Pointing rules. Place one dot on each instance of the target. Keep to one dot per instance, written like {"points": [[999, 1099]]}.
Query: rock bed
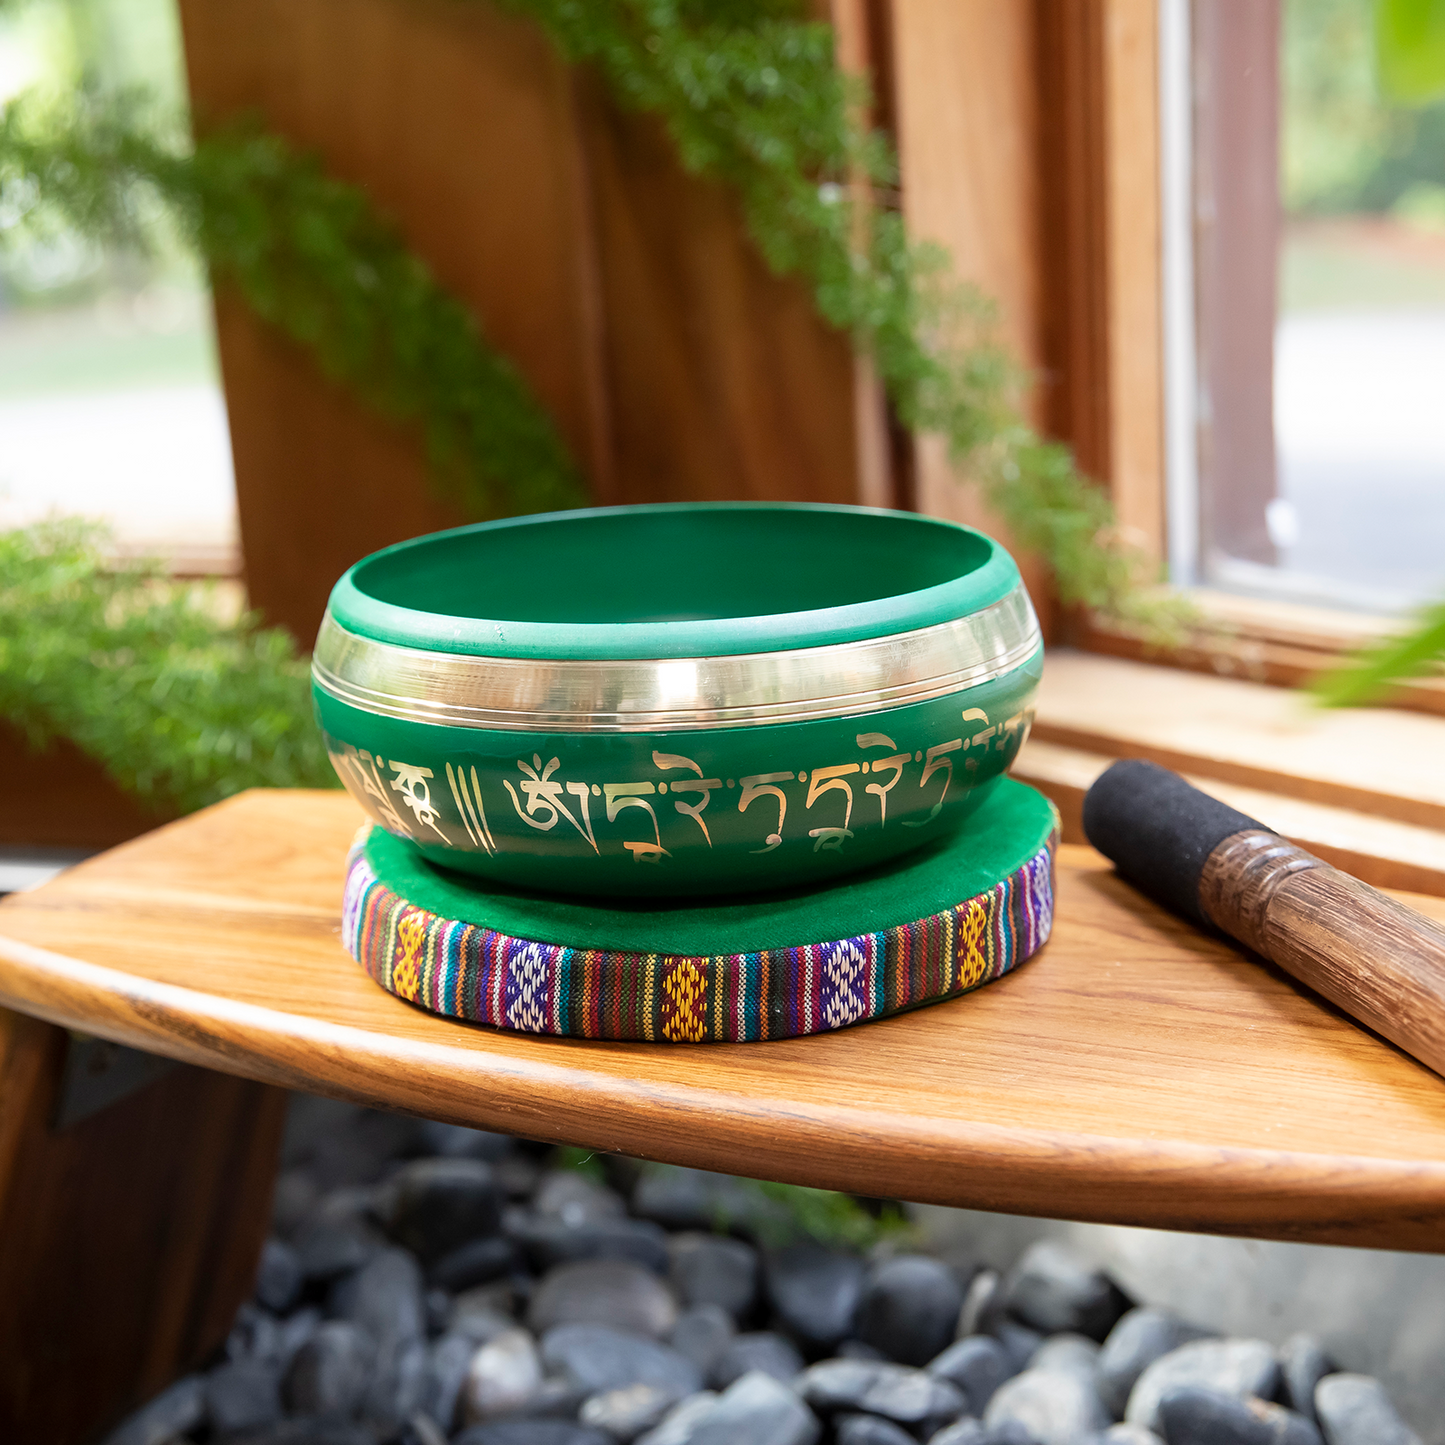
{"points": [[426, 1284]]}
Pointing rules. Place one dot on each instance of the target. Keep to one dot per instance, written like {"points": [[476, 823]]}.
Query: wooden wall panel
{"points": [[674, 364], [62, 798], [320, 480], [628, 292], [1074, 261], [968, 145], [863, 46], [458, 121], [1100, 263], [723, 380], [1028, 138], [967, 115]]}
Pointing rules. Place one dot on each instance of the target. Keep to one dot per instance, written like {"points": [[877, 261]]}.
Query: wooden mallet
{"points": [[1379, 961]]}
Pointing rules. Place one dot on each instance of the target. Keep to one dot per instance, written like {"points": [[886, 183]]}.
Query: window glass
{"points": [[1320, 214], [110, 405]]}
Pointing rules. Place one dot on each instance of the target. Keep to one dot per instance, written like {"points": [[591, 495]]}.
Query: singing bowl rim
{"points": [[665, 695], [986, 581], [585, 688]]}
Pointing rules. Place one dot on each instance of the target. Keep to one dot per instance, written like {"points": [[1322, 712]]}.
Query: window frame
{"points": [[1091, 251]]}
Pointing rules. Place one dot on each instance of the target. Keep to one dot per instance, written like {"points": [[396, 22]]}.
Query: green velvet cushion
{"points": [[1010, 828], [941, 921]]}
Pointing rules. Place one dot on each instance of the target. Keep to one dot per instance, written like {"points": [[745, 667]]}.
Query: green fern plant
{"points": [[310, 255], [181, 704], [831, 1218], [751, 96], [1369, 674]]}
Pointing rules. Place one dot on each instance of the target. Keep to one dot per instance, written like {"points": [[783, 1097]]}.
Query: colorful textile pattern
{"points": [[468, 971]]}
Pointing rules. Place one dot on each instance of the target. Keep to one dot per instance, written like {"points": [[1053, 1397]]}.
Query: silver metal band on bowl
{"points": [[670, 694]]}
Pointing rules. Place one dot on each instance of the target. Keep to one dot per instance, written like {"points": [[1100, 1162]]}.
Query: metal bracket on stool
{"points": [[98, 1073]]}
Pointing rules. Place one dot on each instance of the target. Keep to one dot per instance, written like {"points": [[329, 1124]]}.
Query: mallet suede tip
{"points": [[1158, 830]]}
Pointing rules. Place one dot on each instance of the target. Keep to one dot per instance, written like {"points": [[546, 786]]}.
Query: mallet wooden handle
{"points": [[1379, 961], [1382, 963]]}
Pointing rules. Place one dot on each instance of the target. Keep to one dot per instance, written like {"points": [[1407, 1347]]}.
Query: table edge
{"points": [[1343, 1199]]}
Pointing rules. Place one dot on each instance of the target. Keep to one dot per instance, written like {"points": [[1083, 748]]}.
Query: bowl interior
{"points": [[671, 564]]}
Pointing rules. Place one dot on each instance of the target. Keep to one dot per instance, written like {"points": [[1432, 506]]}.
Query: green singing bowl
{"points": [[677, 700]]}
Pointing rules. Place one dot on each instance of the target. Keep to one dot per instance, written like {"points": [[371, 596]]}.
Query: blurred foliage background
{"points": [[67, 48], [1350, 148], [1362, 141], [92, 173], [1346, 145]]}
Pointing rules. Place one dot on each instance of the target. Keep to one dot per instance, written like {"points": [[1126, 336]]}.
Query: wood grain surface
{"points": [[1373, 760], [1270, 640], [1380, 961], [965, 102], [1135, 1071], [1380, 851], [1130, 46]]}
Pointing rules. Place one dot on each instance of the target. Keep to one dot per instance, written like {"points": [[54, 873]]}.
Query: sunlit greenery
{"points": [[1410, 49], [1410, 60], [181, 703], [309, 254], [749, 93], [59, 49], [1347, 144], [832, 1218], [1369, 675]]}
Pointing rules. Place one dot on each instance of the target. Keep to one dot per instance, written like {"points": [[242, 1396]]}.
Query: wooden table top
{"points": [[1134, 1071]]}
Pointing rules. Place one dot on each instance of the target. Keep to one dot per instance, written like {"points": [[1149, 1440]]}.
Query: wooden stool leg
{"points": [[127, 1239]]}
